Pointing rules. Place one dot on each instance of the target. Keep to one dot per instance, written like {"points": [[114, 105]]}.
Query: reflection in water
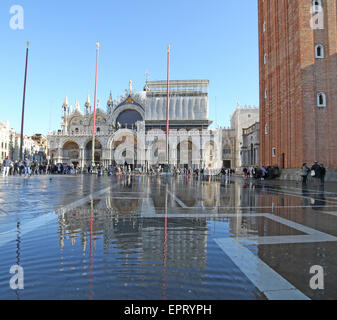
{"points": [[132, 235], [172, 243], [160, 243], [109, 248], [18, 251], [91, 261], [164, 285], [148, 244]]}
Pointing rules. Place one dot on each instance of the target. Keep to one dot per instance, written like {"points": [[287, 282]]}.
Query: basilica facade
{"points": [[133, 129]]}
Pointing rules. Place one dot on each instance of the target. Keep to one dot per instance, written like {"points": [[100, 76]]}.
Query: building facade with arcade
{"points": [[133, 129]]}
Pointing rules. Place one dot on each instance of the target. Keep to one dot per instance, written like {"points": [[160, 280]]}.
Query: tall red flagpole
{"points": [[94, 122], [168, 105], [23, 103]]}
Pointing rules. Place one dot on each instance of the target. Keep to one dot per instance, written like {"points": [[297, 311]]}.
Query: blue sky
{"points": [[214, 39]]}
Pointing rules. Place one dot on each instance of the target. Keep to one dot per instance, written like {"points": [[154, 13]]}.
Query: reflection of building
{"points": [[298, 76], [138, 123], [243, 198], [250, 149], [118, 223]]}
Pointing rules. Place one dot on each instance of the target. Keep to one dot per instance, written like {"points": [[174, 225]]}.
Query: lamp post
{"points": [[94, 120]]}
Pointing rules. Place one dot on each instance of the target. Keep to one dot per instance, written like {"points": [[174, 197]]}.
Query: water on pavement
{"points": [[166, 238]]}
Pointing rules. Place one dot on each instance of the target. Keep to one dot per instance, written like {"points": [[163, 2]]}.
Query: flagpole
{"points": [[94, 120], [168, 106], [23, 103]]}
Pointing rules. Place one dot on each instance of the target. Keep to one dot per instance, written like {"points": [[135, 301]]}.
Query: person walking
{"points": [[27, 164], [244, 173], [315, 167], [21, 168], [304, 173], [315, 171], [223, 175], [16, 168], [322, 172], [6, 165], [264, 172]]}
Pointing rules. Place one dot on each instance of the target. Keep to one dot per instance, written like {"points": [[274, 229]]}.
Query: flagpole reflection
{"points": [[18, 242], [164, 283], [91, 264]]}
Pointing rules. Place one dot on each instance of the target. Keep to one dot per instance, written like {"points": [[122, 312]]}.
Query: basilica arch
{"points": [[97, 153], [123, 147], [71, 152], [158, 152], [187, 153]]}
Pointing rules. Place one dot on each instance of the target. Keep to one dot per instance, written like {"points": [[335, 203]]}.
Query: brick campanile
{"points": [[298, 82]]}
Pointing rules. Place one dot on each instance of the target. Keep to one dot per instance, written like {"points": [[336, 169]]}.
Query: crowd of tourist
{"points": [[25, 167], [28, 168], [317, 171], [262, 173]]}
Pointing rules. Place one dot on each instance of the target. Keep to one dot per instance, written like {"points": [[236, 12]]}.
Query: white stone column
{"points": [[81, 158], [59, 155]]}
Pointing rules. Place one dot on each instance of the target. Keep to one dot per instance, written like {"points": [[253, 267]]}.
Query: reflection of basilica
{"points": [[139, 120], [118, 222], [156, 245], [118, 213]]}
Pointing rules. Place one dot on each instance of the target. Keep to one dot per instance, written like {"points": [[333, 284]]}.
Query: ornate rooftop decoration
{"points": [[132, 99]]}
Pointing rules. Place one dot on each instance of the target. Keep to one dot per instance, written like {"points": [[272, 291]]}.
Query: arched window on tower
{"points": [[316, 6], [319, 52], [321, 100], [98, 130]]}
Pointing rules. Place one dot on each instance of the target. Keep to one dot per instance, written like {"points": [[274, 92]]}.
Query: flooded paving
{"points": [[84, 237]]}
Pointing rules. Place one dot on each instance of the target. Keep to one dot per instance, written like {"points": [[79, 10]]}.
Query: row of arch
{"points": [[126, 148]]}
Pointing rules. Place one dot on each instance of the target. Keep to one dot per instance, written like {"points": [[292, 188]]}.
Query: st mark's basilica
{"points": [[132, 130]]}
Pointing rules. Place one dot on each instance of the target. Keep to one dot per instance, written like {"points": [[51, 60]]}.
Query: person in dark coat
{"points": [[315, 168], [322, 172]]}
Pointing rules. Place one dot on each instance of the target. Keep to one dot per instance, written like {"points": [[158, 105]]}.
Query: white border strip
{"points": [[182, 204], [264, 278]]}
